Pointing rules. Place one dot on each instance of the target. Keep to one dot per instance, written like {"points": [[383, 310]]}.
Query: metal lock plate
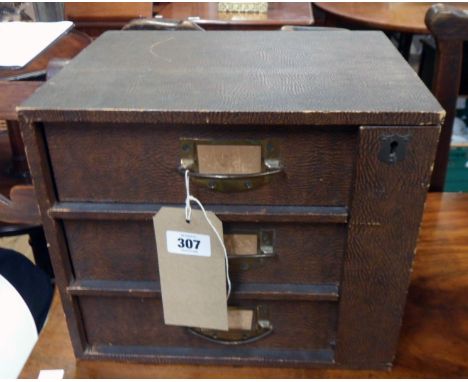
{"points": [[393, 148]]}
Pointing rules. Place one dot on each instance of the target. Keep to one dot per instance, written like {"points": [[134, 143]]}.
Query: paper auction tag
{"points": [[191, 269]]}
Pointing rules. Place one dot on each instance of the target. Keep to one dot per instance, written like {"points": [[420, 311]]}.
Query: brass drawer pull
{"points": [[245, 326], [228, 166], [248, 250]]}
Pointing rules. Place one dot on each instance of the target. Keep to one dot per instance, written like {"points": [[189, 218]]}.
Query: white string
{"points": [[188, 208], [188, 214]]}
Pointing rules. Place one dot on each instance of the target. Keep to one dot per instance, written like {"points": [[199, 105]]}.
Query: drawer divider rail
{"points": [[151, 289], [234, 213]]}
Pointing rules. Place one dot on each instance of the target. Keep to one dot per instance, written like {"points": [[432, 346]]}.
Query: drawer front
{"points": [[139, 163], [127, 322], [286, 252]]}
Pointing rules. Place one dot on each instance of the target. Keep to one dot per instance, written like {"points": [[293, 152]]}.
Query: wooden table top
{"points": [[13, 93], [400, 17], [208, 17], [108, 11], [66, 47], [435, 325]]}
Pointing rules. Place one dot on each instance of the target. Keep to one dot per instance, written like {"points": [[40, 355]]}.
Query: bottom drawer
{"points": [[134, 328]]}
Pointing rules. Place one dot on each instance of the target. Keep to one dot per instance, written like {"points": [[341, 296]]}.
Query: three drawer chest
{"points": [[314, 149]]}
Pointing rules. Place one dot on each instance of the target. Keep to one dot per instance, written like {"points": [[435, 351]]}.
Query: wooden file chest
{"points": [[324, 144]]}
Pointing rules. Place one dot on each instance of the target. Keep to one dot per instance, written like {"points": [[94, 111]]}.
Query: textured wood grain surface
{"points": [[129, 325], [94, 18], [138, 163], [78, 11], [228, 213], [56, 241], [305, 253], [112, 141], [145, 289], [431, 343], [406, 175], [385, 213], [239, 77]]}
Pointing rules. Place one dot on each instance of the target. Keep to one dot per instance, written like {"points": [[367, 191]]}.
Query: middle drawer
{"points": [[279, 253]]}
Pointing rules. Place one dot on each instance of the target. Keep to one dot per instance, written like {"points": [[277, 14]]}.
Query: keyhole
{"points": [[393, 156], [392, 148]]}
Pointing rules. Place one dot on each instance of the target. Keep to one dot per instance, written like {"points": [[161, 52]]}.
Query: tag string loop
{"points": [[188, 214]]}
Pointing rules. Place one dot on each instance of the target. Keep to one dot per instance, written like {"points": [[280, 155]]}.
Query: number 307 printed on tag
{"points": [[186, 243]]}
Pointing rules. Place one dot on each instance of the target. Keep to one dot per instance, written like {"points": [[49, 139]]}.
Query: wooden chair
{"points": [[21, 207], [20, 216], [449, 26]]}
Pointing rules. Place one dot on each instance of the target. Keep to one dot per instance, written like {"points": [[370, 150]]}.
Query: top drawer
{"points": [[137, 163]]}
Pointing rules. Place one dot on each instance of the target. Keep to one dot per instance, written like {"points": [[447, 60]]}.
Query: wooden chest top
{"points": [[239, 77]]}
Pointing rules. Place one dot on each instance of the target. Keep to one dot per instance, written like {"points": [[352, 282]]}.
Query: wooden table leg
{"points": [[19, 165]]}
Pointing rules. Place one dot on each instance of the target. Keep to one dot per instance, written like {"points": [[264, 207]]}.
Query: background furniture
{"points": [[404, 18], [11, 95], [13, 92], [19, 215], [96, 18], [449, 26], [18, 204], [432, 342], [397, 17], [207, 16]]}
